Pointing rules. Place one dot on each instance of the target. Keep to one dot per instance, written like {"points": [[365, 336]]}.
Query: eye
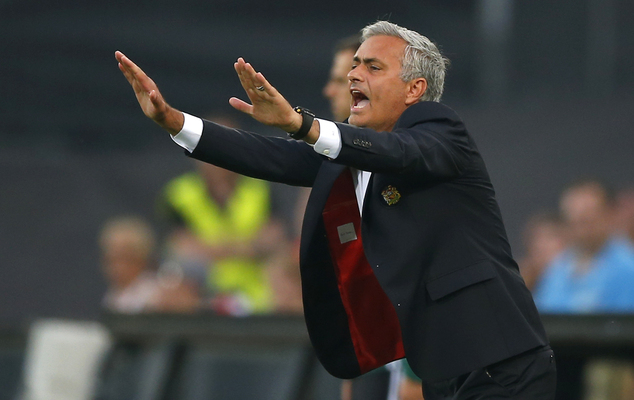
{"points": [[353, 66], [374, 68]]}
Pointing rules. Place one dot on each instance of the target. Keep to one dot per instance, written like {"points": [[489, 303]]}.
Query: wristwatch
{"points": [[307, 122]]}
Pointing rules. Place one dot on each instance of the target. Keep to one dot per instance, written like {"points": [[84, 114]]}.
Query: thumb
{"points": [[155, 98], [241, 105]]}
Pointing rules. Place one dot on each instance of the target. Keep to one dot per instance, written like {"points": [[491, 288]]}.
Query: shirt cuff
{"points": [[189, 136], [329, 142]]}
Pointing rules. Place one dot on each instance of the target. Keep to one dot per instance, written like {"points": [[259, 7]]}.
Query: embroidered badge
{"points": [[391, 195]]}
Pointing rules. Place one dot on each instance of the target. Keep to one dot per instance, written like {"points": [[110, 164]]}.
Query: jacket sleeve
{"points": [[433, 145], [270, 158]]}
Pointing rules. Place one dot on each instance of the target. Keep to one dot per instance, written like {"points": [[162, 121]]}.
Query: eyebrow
{"points": [[366, 60]]}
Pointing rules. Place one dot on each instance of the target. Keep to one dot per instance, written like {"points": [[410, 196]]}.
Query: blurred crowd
{"points": [[580, 259], [230, 249], [232, 246]]}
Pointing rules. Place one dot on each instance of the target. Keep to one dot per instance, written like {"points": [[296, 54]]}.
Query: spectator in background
{"points": [[544, 239], [596, 271], [127, 247], [222, 235], [337, 90]]}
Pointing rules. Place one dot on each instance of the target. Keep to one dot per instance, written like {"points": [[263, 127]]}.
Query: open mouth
{"points": [[359, 100]]}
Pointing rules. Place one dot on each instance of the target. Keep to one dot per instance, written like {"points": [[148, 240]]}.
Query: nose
{"points": [[328, 89], [355, 74]]}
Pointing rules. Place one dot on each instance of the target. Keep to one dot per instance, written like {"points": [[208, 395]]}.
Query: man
{"points": [[223, 233], [218, 218], [336, 90], [403, 248], [595, 273], [127, 246], [544, 239]]}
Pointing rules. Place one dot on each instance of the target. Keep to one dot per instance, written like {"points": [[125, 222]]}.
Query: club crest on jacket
{"points": [[391, 195]]}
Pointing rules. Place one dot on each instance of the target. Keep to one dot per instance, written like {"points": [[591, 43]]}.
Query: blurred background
{"points": [[544, 87]]}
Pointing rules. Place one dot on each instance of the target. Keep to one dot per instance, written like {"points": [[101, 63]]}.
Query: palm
{"points": [[142, 93], [267, 106]]}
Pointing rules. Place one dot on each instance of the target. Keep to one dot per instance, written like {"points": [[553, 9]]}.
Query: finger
{"points": [[135, 75], [268, 88], [125, 61], [118, 55], [134, 70], [250, 71], [252, 76], [245, 79], [156, 99], [239, 67], [133, 81], [241, 105], [128, 75], [249, 75], [257, 79], [127, 72]]}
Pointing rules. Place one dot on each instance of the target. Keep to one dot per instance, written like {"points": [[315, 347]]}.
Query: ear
{"points": [[415, 90]]}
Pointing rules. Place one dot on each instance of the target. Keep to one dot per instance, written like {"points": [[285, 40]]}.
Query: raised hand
{"points": [[267, 106], [150, 99]]}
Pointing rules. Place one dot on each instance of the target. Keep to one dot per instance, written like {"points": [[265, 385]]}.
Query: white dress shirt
{"points": [[328, 144]]}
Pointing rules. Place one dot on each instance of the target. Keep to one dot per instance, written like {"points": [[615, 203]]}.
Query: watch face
{"points": [[301, 110]]}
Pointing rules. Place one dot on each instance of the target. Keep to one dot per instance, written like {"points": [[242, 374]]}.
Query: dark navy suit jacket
{"points": [[440, 253]]}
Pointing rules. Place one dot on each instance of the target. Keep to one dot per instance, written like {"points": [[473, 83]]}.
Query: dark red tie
{"points": [[374, 326]]}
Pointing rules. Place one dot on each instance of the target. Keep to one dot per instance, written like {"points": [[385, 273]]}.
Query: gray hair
{"points": [[421, 58]]}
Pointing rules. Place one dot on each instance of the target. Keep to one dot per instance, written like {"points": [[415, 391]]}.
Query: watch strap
{"points": [[307, 122]]}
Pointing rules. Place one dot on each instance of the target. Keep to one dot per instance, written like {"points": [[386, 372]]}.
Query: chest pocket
{"points": [[454, 281]]}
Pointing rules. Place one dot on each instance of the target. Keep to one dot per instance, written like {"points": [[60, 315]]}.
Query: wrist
{"points": [[313, 134], [173, 121], [295, 123], [307, 119]]}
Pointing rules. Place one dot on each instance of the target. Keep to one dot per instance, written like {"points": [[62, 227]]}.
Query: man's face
{"points": [[337, 89], [379, 95], [588, 217], [544, 241], [123, 260]]}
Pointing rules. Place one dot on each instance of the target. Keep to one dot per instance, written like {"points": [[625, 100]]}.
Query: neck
{"points": [[589, 250]]}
